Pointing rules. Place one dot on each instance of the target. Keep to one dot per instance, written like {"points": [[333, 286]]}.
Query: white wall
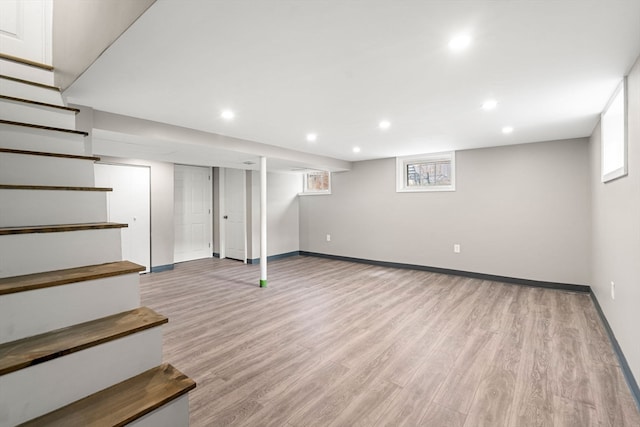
{"points": [[282, 213], [616, 235], [520, 211], [82, 30]]}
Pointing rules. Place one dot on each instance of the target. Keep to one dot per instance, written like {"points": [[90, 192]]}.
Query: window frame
{"points": [[305, 177], [607, 145], [401, 172]]}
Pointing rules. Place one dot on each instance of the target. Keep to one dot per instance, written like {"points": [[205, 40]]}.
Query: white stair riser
{"points": [[24, 314], [30, 113], [28, 169], [39, 389], [39, 252], [23, 138], [26, 72], [30, 92], [47, 207], [172, 414]]}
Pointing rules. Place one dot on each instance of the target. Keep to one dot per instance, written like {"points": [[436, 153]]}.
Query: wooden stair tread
{"points": [[28, 82], [50, 128], [20, 354], [121, 403], [26, 62], [48, 279], [51, 187], [41, 104], [59, 228], [46, 154]]}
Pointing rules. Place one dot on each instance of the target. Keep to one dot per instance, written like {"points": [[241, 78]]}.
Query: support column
{"points": [[263, 222]]}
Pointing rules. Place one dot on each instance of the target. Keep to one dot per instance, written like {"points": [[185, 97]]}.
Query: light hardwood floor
{"points": [[333, 343]]}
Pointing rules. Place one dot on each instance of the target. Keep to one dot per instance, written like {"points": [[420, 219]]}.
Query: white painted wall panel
{"points": [[43, 170], [38, 311], [33, 93], [25, 72], [39, 389], [30, 113], [34, 253], [173, 414], [47, 207], [23, 138]]}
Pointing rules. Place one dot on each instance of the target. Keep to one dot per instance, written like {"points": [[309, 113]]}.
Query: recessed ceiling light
{"points": [[489, 104], [507, 129], [311, 137], [227, 115], [356, 149], [460, 42], [385, 124]]}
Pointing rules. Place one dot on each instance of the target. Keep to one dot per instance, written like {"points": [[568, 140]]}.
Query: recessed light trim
{"points": [[312, 137], [227, 114], [489, 104], [384, 124], [460, 42], [507, 130], [356, 149]]}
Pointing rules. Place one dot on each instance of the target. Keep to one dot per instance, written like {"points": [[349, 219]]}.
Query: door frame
{"points": [[222, 203], [108, 163], [209, 228]]}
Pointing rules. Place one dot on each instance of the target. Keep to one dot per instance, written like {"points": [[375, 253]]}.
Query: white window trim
{"points": [[314, 193], [605, 143], [401, 172]]}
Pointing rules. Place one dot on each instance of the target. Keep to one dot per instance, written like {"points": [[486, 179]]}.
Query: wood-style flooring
{"points": [[333, 343]]}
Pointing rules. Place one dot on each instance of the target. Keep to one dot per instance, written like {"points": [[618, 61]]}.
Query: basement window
{"points": [[426, 172], [614, 135], [316, 182]]}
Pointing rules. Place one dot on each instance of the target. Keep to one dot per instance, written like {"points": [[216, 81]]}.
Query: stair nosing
{"points": [[29, 82], [41, 127], [52, 188], [85, 408], [37, 349], [38, 103], [34, 229], [28, 62], [46, 154], [11, 285]]}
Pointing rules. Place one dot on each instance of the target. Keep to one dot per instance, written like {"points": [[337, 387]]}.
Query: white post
{"points": [[263, 222]]}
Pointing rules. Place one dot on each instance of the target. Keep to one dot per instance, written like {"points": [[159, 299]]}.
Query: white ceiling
{"points": [[336, 68]]}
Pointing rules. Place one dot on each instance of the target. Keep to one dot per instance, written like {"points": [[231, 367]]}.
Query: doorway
{"points": [[234, 214], [129, 203], [192, 213]]}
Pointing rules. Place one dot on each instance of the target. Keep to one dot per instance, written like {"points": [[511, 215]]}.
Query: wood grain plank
{"points": [[46, 154], [40, 104], [26, 62], [16, 355], [51, 188], [122, 403], [48, 279], [45, 128], [61, 228], [497, 351]]}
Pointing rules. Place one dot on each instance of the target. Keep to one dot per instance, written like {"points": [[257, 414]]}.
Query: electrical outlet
{"points": [[456, 248], [613, 290], [328, 237]]}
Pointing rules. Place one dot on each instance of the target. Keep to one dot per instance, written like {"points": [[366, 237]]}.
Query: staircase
{"points": [[76, 348]]}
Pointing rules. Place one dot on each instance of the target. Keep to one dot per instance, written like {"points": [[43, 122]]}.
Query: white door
{"points": [[129, 203], [25, 29], [192, 213], [234, 214]]}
